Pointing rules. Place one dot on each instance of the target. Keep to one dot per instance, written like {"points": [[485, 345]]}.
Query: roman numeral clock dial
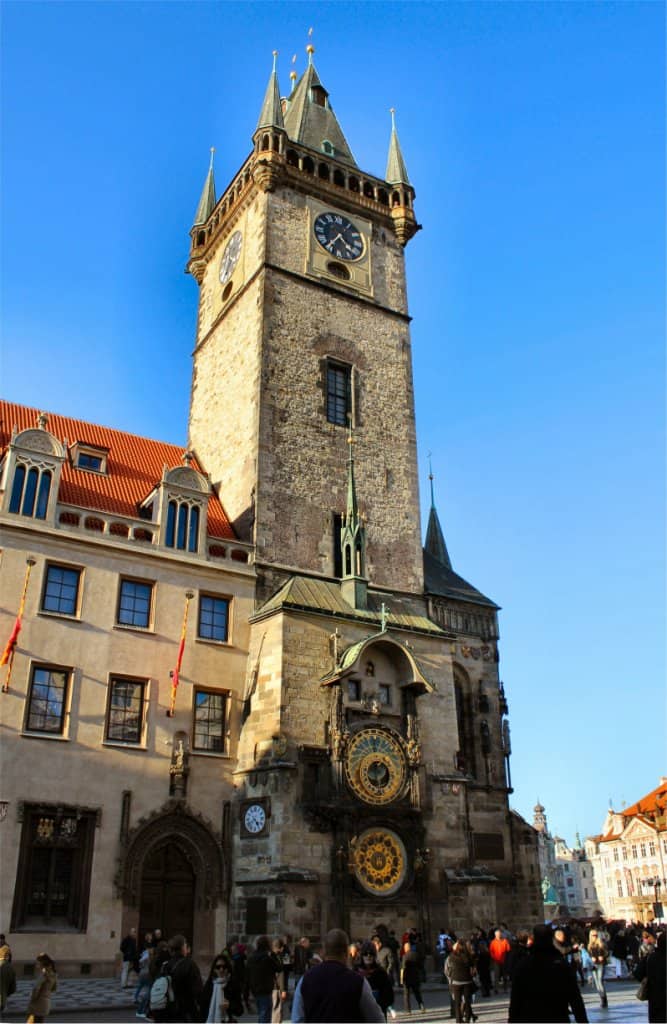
{"points": [[339, 236]]}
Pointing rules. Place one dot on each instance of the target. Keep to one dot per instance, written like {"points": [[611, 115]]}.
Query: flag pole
{"points": [[8, 653], [179, 657]]}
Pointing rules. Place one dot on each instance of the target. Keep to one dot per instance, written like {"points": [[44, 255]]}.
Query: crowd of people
{"points": [[543, 970], [340, 980]]}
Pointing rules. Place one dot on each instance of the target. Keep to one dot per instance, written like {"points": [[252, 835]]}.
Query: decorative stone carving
{"points": [[195, 838]]}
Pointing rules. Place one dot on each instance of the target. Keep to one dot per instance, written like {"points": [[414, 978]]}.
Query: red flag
{"points": [[179, 657], [11, 643]]}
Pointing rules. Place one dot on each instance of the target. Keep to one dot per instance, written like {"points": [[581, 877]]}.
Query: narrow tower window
{"points": [[339, 393]]}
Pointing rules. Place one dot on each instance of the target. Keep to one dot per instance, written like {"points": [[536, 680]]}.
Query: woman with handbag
{"points": [[599, 955]]}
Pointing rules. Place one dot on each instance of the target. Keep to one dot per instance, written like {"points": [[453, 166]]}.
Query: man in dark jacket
{"points": [[333, 993], [185, 979], [128, 948], [261, 970], [544, 988]]}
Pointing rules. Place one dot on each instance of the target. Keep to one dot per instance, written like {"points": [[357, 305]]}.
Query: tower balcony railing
{"points": [[297, 161]]}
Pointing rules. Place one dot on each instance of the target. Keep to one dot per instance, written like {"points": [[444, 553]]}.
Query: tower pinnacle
{"points": [[396, 173], [271, 114], [435, 540], [207, 198], [353, 540]]}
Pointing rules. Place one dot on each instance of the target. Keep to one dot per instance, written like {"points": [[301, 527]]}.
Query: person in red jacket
{"points": [[499, 947]]}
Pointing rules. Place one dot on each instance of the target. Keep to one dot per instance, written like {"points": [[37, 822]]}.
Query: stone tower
{"points": [[303, 330], [371, 750]]}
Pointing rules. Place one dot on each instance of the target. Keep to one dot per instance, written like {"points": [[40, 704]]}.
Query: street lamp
{"points": [[656, 885]]}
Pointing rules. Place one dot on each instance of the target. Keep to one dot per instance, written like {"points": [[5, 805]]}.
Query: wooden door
{"points": [[167, 894]]}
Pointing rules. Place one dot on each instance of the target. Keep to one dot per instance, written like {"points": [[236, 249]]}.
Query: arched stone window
{"points": [[465, 720], [339, 178]]}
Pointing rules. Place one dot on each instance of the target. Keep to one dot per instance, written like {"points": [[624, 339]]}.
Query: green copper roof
{"points": [[352, 654], [324, 596], [397, 172], [310, 123], [271, 115], [207, 199]]}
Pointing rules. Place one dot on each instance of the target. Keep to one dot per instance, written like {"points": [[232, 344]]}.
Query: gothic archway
{"points": [[187, 850]]}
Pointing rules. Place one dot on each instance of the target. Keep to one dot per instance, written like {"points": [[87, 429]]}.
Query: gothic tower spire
{"points": [[435, 540], [396, 173], [271, 114], [207, 198], [353, 541]]}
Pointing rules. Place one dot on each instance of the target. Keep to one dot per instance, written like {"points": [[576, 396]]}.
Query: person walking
{"points": [[260, 975], [411, 977], [652, 967], [599, 954], [544, 988], [45, 985], [377, 977], [331, 992], [459, 968], [279, 992], [499, 947], [130, 952], [185, 979], [7, 975]]}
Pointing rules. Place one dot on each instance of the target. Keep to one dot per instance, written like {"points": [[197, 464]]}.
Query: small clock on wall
{"points": [[254, 818], [230, 257]]}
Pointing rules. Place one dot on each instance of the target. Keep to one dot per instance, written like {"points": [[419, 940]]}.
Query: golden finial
{"points": [[310, 49], [392, 111], [275, 57], [212, 152], [293, 74]]}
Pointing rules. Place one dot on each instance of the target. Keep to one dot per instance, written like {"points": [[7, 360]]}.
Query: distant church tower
{"points": [[371, 746]]}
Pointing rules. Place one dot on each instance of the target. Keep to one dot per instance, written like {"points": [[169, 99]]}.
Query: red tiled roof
{"points": [[134, 466], [654, 802]]}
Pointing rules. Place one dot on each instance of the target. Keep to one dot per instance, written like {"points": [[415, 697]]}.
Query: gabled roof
{"points": [[134, 466], [309, 123], [305, 593], [442, 581]]}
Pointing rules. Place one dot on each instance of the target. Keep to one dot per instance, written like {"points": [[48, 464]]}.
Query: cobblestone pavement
{"points": [[88, 999]]}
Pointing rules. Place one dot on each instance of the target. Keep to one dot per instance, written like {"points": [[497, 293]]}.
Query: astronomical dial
{"points": [[375, 766], [339, 236], [230, 257], [379, 861], [254, 818]]}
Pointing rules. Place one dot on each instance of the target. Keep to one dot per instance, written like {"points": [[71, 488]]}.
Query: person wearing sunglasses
{"points": [[217, 995]]}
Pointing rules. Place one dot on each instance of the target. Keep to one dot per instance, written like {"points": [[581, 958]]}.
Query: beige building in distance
{"points": [[629, 859], [336, 749]]}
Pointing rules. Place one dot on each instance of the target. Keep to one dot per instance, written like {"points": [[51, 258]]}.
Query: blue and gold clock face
{"points": [[339, 236], [375, 766]]}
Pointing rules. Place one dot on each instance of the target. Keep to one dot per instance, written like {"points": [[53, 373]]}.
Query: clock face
{"points": [[230, 256], [375, 766], [254, 818], [379, 861], [338, 236]]}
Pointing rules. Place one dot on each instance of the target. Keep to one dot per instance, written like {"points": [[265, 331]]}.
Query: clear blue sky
{"points": [[534, 136]]}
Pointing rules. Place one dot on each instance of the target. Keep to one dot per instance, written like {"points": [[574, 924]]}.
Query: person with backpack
{"points": [[177, 989]]}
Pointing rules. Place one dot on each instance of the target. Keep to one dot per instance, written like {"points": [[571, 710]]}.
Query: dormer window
{"points": [[318, 95], [182, 526], [30, 491], [89, 457], [328, 147]]}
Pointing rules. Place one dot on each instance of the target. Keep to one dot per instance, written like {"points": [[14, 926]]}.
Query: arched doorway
{"points": [[171, 876], [167, 893]]}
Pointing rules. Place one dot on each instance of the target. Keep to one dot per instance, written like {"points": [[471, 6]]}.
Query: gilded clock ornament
{"points": [[379, 861], [339, 236], [375, 766], [230, 257]]}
